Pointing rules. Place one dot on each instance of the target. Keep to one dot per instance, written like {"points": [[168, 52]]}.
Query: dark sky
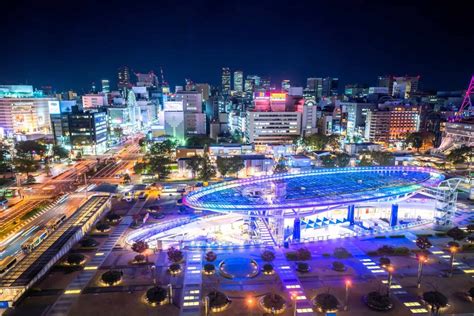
{"points": [[69, 44]]}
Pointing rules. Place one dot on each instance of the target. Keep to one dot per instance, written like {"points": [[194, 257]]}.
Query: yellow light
{"points": [[90, 268], [77, 291], [99, 254]]}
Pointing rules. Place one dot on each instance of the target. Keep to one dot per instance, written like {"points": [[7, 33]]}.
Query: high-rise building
{"points": [[238, 81], [174, 119], [225, 81], [147, 79], [192, 100], [249, 86], [105, 86], [88, 132], [204, 89], [404, 86], [190, 86], [272, 127], [314, 87], [285, 85], [309, 117], [356, 90], [391, 123], [93, 101], [256, 80], [123, 78], [356, 118], [329, 87], [266, 83], [385, 81]]}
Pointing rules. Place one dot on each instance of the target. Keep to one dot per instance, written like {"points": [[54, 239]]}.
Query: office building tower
{"points": [[329, 87], [390, 124], [387, 82], [105, 86], [225, 81], [256, 80], [356, 90], [285, 85], [356, 118], [204, 89], [309, 116], [123, 78], [149, 80], [174, 119], [264, 128], [403, 87], [190, 86], [192, 100], [249, 86], [238, 81], [88, 132], [265, 83], [93, 101]]}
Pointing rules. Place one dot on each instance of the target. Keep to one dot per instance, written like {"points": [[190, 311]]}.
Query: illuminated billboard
{"points": [[53, 107], [173, 106], [278, 96]]}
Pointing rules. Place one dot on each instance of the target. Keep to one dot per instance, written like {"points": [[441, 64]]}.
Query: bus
{"points": [[169, 189], [35, 240], [55, 222], [6, 263]]}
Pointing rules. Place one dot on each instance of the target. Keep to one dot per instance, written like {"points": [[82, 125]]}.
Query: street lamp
{"points": [[346, 299], [153, 274], [170, 293], [206, 305], [293, 298], [390, 270], [421, 261], [250, 301], [453, 251]]}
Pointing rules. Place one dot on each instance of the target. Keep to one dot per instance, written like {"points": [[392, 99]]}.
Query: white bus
{"points": [[35, 240], [55, 222]]}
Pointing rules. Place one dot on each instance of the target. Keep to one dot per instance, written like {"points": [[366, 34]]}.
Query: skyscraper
{"points": [[105, 86], [225, 81], [404, 86], [314, 86], [387, 82], [285, 85], [329, 86], [238, 81], [123, 77]]}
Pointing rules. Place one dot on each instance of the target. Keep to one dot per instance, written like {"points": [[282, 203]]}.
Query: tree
{"points": [[165, 148], [211, 256], [194, 163], [436, 300], [140, 246], [328, 161], [160, 165], [30, 148], [280, 166], [156, 295], [61, 152], [207, 169], [174, 255], [415, 139], [111, 277], [326, 302], [342, 160], [140, 168], [460, 155], [268, 256], [198, 141], [25, 165], [227, 165], [126, 178], [456, 234], [315, 141], [382, 158], [423, 243], [333, 141], [75, 259]]}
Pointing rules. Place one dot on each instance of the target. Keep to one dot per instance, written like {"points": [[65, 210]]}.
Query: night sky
{"points": [[69, 44]]}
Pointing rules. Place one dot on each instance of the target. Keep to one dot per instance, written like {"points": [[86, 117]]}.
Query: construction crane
{"points": [[466, 104]]}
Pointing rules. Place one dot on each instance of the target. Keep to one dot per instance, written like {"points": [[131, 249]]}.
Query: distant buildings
{"points": [[272, 127], [93, 101], [238, 81], [123, 78], [225, 80], [105, 86]]}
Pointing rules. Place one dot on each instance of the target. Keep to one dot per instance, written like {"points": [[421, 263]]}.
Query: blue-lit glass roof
{"points": [[318, 188]]}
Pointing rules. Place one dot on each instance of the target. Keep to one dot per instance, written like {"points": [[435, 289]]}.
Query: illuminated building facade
{"points": [[238, 81], [272, 127], [391, 124], [105, 86], [123, 78], [386, 82], [88, 132], [225, 81], [93, 101], [404, 87], [285, 85], [356, 118]]}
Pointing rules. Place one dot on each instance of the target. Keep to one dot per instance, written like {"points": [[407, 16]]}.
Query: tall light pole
{"points": [[153, 274], [250, 301], [453, 251], [346, 298], [390, 272], [206, 305], [421, 261], [293, 298], [170, 293]]}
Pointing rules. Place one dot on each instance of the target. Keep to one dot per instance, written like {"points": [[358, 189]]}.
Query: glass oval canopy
{"points": [[316, 189]]}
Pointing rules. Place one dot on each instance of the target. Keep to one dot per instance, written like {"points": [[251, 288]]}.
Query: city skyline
{"points": [[355, 42]]}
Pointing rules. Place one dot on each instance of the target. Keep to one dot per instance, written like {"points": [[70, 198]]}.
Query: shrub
{"points": [[209, 267], [341, 253], [211, 256], [385, 250], [423, 243], [75, 259], [174, 267], [88, 243], [291, 255], [326, 302], [102, 227], [378, 302], [302, 267], [268, 256], [217, 299], [175, 255], [139, 258], [401, 251], [338, 266], [436, 300], [140, 246], [456, 234], [384, 261], [274, 301], [267, 268], [156, 295], [304, 254], [111, 277]]}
